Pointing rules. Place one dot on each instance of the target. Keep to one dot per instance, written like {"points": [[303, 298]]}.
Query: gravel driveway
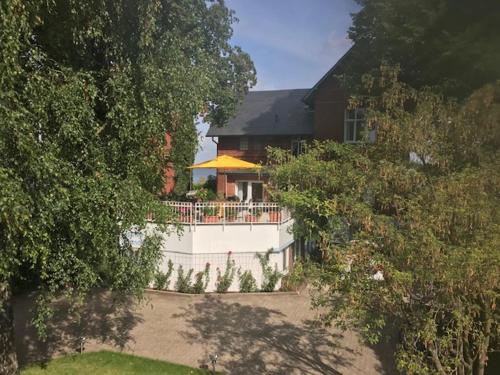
{"points": [[252, 334]]}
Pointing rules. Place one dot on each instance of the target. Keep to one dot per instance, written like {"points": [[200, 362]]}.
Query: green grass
{"points": [[108, 363]]}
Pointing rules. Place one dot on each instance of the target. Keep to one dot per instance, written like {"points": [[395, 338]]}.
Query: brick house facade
{"points": [[286, 119]]}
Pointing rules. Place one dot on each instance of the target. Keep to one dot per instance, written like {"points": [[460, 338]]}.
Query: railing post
{"points": [[190, 216], [194, 207], [223, 215]]}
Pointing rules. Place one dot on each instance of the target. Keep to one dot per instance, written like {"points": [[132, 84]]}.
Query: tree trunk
{"points": [[436, 360], [8, 357], [483, 349]]}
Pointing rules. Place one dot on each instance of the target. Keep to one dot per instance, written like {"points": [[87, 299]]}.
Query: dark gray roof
{"points": [[279, 112]]}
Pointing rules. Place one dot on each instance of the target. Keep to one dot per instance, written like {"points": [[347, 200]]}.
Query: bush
{"points": [[204, 194], [183, 284], [162, 279], [247, 282], [270, 276], [225, 280], [295, 277], [201, 280]]}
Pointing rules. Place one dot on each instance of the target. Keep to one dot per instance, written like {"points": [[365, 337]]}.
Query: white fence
{"points": [[228, 213]]}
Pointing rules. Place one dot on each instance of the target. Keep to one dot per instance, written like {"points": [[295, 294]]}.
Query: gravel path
{"points": [[251, 334]]}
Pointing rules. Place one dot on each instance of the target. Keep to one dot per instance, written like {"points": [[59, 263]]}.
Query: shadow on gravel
{"points": [[103, 317], [250, 339]]}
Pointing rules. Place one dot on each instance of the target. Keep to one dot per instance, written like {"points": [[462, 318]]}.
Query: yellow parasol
{"points": [[225, 162]]}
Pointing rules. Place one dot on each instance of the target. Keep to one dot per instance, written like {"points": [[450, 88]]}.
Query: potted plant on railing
{"points": [[253, 215], [230, 214], [210, 215], [274, 216]]}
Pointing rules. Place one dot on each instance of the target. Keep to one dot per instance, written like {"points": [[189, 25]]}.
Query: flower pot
{"points": [[250, 218], [274, 217], [210, 219]]}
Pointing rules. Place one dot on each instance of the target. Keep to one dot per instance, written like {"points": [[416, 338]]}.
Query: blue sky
{"points": [[291, 42]]}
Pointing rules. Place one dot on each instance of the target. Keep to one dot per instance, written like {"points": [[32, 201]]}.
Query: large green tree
{"points": [[88, 90], [412, 243], [449, 44]]}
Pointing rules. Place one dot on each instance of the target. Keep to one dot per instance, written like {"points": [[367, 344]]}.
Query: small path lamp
{"points": [[213, 360]]}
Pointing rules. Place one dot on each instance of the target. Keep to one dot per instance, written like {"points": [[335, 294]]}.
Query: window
{"points": [[298, 146], [250, 190], [244, 143], [354, 125]]}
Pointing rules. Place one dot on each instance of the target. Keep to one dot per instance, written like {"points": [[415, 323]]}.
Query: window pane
{"points": [[302, 147], [257, 191], [350, 114], [360, 114], [295, 147], [244, 188], [349, 131], [360, 130]]}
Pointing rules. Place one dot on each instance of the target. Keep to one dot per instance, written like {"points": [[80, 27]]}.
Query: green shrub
{"points": [[201, 280], [225, 280], [270, 276], [295, 277], [247, 282], [183, 284], [206, 194], [162, 279]]}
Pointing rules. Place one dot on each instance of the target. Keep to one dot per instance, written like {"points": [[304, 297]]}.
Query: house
{"points": [[286, 119], [250, 224]]}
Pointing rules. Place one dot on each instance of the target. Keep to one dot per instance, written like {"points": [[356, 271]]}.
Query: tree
{"points": [[449, 44], [411, 243], [88, 91]]}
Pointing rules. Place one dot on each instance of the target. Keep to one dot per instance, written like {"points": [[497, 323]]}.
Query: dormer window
{"points": [[354, 125], [244, 143]]}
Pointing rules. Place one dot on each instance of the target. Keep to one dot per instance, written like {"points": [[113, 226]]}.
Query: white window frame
{"points": [[301, 145], [244, 143], [355, 122]]}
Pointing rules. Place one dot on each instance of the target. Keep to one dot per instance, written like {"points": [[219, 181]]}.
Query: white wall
{"points": [[211, 244], [236, 238]]}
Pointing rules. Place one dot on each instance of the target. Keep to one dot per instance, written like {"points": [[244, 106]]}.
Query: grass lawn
{"points": [[108, 363]]}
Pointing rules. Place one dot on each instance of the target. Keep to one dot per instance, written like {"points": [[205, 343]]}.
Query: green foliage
{"points": [[411, 243], [296, 276], [210, 211], [270, 276], [201, 280], [448, 44], [162, 279], [206, 190], [248, 284], [88, 92], [184, 283], [224, 280]]}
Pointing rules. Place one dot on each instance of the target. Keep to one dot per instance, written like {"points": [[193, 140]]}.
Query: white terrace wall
{"points": [[202, 244]]}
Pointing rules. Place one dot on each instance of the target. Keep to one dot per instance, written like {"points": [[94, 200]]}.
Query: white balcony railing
{"points": [[228, 213]]}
